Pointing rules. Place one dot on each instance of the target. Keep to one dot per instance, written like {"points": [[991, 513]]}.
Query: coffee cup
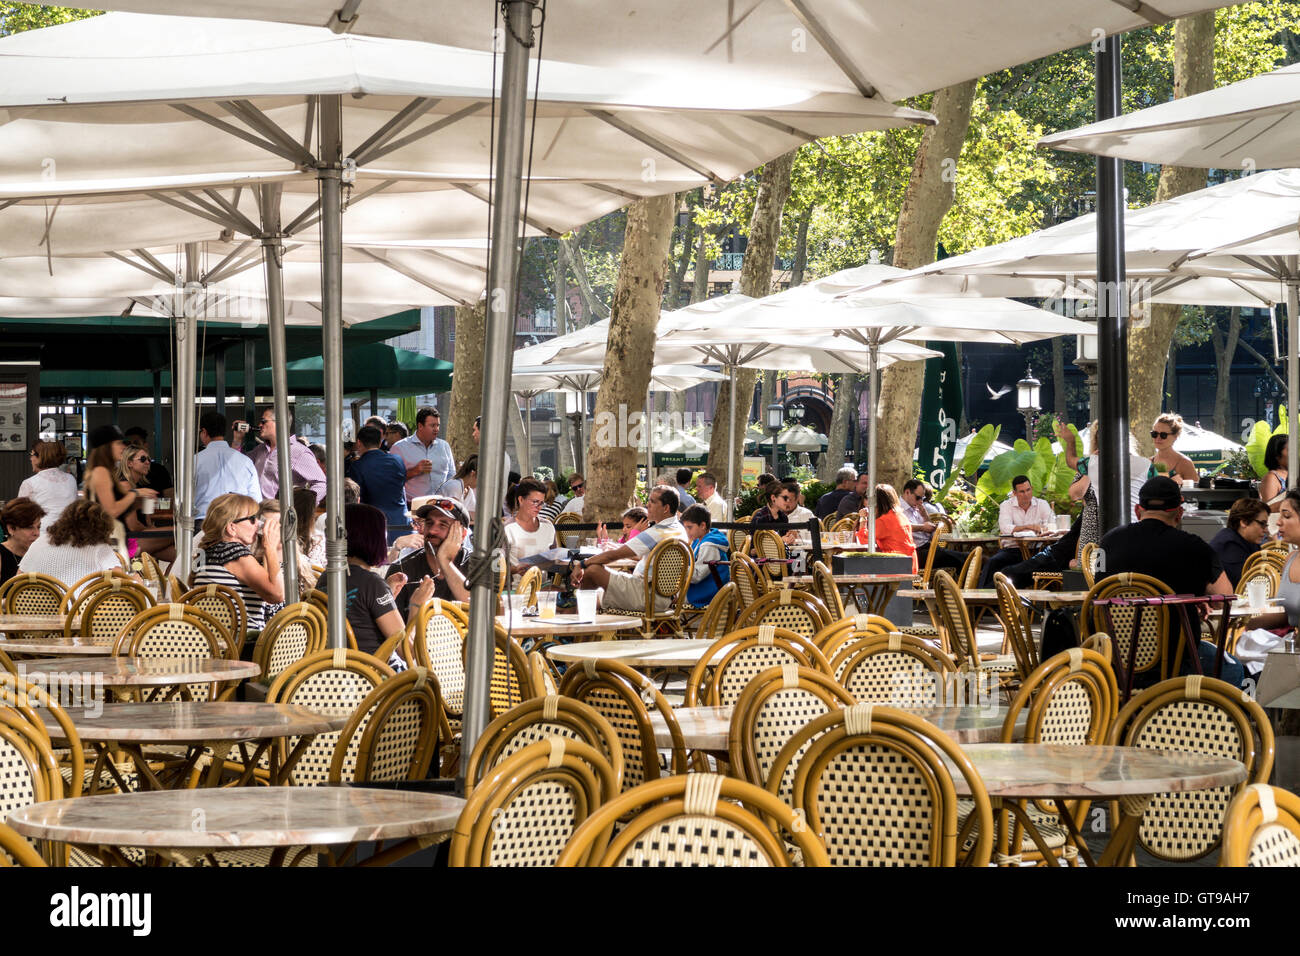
{"points": [[148, 506], [1257, 593]]}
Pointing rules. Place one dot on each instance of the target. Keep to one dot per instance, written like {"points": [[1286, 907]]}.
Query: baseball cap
{"points": [[104, 435], [447, 507], [1160, 494]]}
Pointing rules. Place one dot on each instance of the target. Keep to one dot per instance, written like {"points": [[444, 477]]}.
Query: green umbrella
{"points": [[383, 367]]}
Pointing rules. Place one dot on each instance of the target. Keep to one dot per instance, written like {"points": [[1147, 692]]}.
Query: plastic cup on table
{"points": [[516, 604], [586, 605], [546, 604], [1063, 522], [1257, 594]]}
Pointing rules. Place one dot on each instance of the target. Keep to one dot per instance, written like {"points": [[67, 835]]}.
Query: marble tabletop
{"points": [[707, 728], [57, 647], [567, 625], [666, 652], [32, 622], [865, 578], [195, 721], [138, 671], [240, 817], [990, 595], [1057, 770]]}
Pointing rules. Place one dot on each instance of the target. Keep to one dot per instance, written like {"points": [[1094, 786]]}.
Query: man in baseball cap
{"points": [[444, 522]]}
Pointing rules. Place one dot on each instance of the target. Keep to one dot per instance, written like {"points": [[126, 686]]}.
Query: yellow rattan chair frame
{"points": [[1262, 828], [826, 591], [398, 726], [771, 549], [24, 698], [793, 610], [530, 582], [733, 660], [567, 537], [16, 851], [1153, 643], [440, 646], [667, 576], [78, 587], [512, 675], [690, 820], [720, 616], [106, 610], [1015, 624], [896, 669], [748, 579], [30, 593], [225, 605], [850, 628], [294, 632]]}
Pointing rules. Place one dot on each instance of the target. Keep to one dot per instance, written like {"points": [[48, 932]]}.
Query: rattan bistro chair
{"points": [[175, 630], [895, 669], [295, 631], [825, 589], [566, 537], [31, 593], [1199, 715], [1152, 649], [226, 606], [105, 608], [530, 582], [733, 660], [528, 806], [667, 576], [16, 851], [624, 698], [512, 677], [692, 820], [1015, 623], [539, 719], [874, 784], [796, 611], [1262, 828], [749, 580], [769, 549], [834, 635], [440, 646], [393, 733], [957, 626], [720, 616], [81, 585]]}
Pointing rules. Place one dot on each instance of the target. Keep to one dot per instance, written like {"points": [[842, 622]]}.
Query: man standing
{"points": [[302, 463], [159, 478], [856, 499], [1021, 512], [578, 485], [444, 557], [844, 481], [923, 528], [381, 478], [426, 457], [684, 498], [707, 486], [623, 590], [220, 469]]}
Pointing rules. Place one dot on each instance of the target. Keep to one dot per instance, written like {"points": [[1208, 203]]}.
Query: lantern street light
{"points": [[554, 429], [1027, 401], [775, 421], [1086, 359]]}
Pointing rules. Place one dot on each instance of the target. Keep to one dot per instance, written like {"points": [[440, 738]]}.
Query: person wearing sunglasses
{"points": [[1166, 461], [230, 530], [132, 474], [578, 486], [1247, 528]]}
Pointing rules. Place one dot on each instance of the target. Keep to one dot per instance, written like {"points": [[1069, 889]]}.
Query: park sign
{"points": [[940, 413]]}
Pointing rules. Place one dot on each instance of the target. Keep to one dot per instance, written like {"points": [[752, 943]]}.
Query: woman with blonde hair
{"points": [[106, 446], [1168, 426], [132, 472], [49, 486], [230, 531]]}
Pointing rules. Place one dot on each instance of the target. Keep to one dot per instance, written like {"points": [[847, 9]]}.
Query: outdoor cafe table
{"points": [[990, 596], [56, 647], [132, 672], [12, 623], [659, 653], [567, 625], [1129, 775], [707, 728], [166, 822], [212, 725], [879, 588]]}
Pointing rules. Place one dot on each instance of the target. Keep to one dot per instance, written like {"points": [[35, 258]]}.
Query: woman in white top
{"points": [[528, 534], [49, 486], [462, 486], [78, 544]]}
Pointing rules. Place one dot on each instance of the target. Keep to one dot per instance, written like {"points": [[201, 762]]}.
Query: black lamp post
{"points": [[775, 421], [1027, 401]]}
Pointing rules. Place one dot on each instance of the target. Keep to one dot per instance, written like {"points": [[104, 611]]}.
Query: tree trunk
{"points": [[467, 383], [611, 457], [672, 300], [1058, 378], [755, 281], [767, 393], [564, 456], [700, 285], [930, 194], [1148, 344], [801, 248], [573, 252], [522, 457], [845, 393], [1225, 347]]}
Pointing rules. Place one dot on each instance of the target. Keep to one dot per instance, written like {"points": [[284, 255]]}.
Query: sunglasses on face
{"points": [[579, 486], [1156, 434], [1262, 522], [257, 518]]}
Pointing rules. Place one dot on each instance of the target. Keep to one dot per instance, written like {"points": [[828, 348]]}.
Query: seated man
{"points": [[708, 547], [845, 479], [1021, 512], [444, 557], [923, 528], [1156, 546], [856, 499], [623, 589], [1055, 557]]}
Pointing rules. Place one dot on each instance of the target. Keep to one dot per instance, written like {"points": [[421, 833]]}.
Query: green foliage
{"points": [[1258, 443], [813, 491], [982, 518], [979, 447], [544, 474], [18, 17], [1237, 465], [995, 483], [750, 501]]}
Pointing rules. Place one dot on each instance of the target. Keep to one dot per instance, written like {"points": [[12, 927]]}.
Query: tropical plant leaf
{"points": [[979, 447], [996, 481], [1259, 437]]}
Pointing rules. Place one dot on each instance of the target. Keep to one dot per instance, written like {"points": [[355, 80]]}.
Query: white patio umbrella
{"points": [[798, 438]]}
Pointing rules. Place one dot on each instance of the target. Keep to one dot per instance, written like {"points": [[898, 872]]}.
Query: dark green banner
{"points": [[940, 413]]}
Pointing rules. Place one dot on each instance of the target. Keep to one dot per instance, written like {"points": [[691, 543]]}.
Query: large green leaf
{"points": [[1255, 448], [979, 447], [996, 481]]}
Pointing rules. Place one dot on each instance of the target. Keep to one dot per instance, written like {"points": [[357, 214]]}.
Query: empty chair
{"points": [[31, 593], [1262, 828], [1015, 622], [530, 582], [105, 609], [440, 646], [895, 669], [690, 820], [225, 605], [833, 635], [512, 677], [393, 733], [720, 616], [295, 631], [824, 588], [1149, 646], [749, 580], [796, 611], [732, 661], [769, 550], [527, 807]]}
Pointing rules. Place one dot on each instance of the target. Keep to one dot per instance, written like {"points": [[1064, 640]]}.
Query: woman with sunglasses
{"points": [[230, 530], [1166, 461], [132, 473], [1247, 528]]}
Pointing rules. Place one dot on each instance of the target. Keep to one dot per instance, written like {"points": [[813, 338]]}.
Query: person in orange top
{"points": [[893, 530]]}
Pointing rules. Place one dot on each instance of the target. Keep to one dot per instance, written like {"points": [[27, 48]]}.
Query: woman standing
{"points": [[1273, 485], [49, 486], [893, 530], [230, 530], [132, 472], [461, 487], [22, 519], [1164, 433], [107, 443]]}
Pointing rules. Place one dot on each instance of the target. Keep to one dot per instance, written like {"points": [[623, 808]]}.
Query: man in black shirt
{"points": [[444, 556], [827, 503]]}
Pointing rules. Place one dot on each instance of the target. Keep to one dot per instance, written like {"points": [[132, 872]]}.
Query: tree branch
{"points": [[579, 266]]}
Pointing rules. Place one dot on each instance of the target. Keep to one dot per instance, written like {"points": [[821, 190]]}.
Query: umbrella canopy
{"points": [[392, 371], [798, 438], [872, 47], [535, 379]]}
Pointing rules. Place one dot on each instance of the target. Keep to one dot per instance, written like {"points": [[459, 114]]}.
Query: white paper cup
{"points": [[148, 506], [587, 605], [1257, 593], [1063, 522], [1188, 483], [516, 604], [546, 604]]}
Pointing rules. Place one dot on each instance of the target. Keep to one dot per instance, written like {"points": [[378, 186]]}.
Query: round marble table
{"points": [[201, 726], [708, 728], [200, 821], [10, 623], [55, 647], [666, 652], [1131, 774], [567, 625], [878, 588], [89, 673]]}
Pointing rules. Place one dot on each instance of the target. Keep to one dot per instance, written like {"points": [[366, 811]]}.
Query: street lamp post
{"points": [[554, 428], [1027, 402], [1086, 359], [775, 420]]}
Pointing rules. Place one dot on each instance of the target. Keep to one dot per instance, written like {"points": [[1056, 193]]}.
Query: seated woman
{"points": [[132, 472], [49, 486], [707, 546], [893, 530], [230, 530], [22, 520], [528, 534], [1167, 460], [1273, 485], [107, 444], [372, 606], [1246, 530], [78, 544]]}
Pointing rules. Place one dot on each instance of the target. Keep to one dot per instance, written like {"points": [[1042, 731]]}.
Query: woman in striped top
{"points": [[230, 530]]}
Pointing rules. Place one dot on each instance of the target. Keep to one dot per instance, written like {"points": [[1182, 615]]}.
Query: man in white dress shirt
{"points": [[707, 486], [1021, 512]]}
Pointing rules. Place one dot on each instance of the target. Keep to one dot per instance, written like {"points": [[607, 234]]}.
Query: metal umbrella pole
{"points": [[329, 173], [1293, 373], [273, 266], [649, 440], [873, 355], [508, 164], [731, 442], [183, 392]]}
